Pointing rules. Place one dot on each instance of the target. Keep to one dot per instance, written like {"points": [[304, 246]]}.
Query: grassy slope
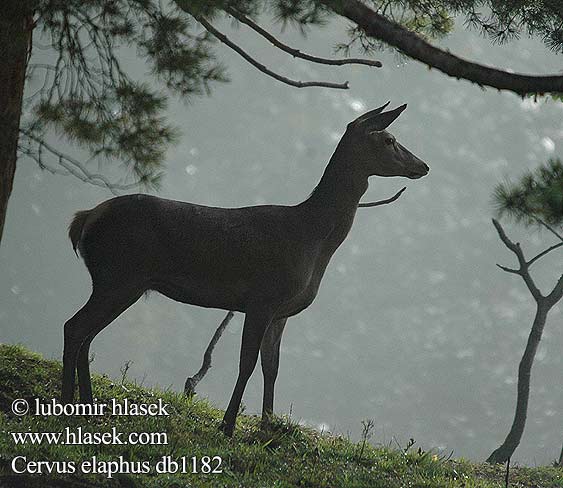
{"points": [[283, 455]]}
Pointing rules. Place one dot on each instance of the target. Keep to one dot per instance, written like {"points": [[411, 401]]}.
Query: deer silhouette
{"points": [[266, 261]]}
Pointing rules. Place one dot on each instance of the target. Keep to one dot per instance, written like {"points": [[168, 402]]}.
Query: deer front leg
{"points": [[270, 358], [255, 324]]}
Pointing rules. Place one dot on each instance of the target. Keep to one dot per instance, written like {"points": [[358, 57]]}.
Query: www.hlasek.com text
{"points": [[81, 437]]}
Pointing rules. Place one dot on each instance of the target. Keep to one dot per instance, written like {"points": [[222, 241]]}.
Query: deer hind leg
{"points": [[270, 358], [255, 324], [100, 310], [83, 370]]}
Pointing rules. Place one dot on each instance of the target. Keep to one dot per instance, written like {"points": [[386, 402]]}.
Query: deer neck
{"points": [[334, 201]]}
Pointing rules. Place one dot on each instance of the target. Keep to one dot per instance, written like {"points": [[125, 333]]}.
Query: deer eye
{"points": [[390, 140]]}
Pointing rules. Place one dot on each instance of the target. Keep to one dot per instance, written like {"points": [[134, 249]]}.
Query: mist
{"points": [[414, 326]]}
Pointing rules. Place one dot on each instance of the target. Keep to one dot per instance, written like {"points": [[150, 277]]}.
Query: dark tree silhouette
{"points": [[536, 200]]}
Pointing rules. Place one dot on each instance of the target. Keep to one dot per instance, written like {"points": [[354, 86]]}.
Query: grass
{"points": [[284, 454]]}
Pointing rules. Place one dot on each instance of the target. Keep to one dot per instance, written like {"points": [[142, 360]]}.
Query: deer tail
{"points": [[75, 228]]}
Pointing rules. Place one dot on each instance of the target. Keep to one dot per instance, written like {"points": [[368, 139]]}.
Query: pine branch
{"points": [[536, 199], [296, 53], [409, 43], [383, 202], [70, 166], [548, 227], [298, 84]]}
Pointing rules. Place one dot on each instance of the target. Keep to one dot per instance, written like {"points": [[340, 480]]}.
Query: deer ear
{"points": [[384, 120], [371, 113]]}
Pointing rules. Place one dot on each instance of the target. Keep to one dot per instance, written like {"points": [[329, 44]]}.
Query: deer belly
{"points": [[228, 297]]}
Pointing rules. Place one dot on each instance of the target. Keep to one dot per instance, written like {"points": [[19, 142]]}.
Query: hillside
{"points": [[284, 455]]}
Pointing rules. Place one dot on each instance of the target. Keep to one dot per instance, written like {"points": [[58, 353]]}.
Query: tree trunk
{"points": [[505, 451], [16, 21]]}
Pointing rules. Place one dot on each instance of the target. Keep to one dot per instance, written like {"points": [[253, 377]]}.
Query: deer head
{"points": [[376, 152]]}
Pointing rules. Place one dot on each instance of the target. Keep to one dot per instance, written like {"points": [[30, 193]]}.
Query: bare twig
{"points": [[192, 381], [367, 428], [124, 369], [383, 202], [381, 28], [523, 270], [298, 84], [509, 270], [543, 253], [296, 53]]}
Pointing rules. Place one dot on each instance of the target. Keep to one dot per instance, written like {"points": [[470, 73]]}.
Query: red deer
{"points": [[266, 261]]}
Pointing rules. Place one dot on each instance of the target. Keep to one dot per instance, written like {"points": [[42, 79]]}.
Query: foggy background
{"points": [[414, 326]]}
